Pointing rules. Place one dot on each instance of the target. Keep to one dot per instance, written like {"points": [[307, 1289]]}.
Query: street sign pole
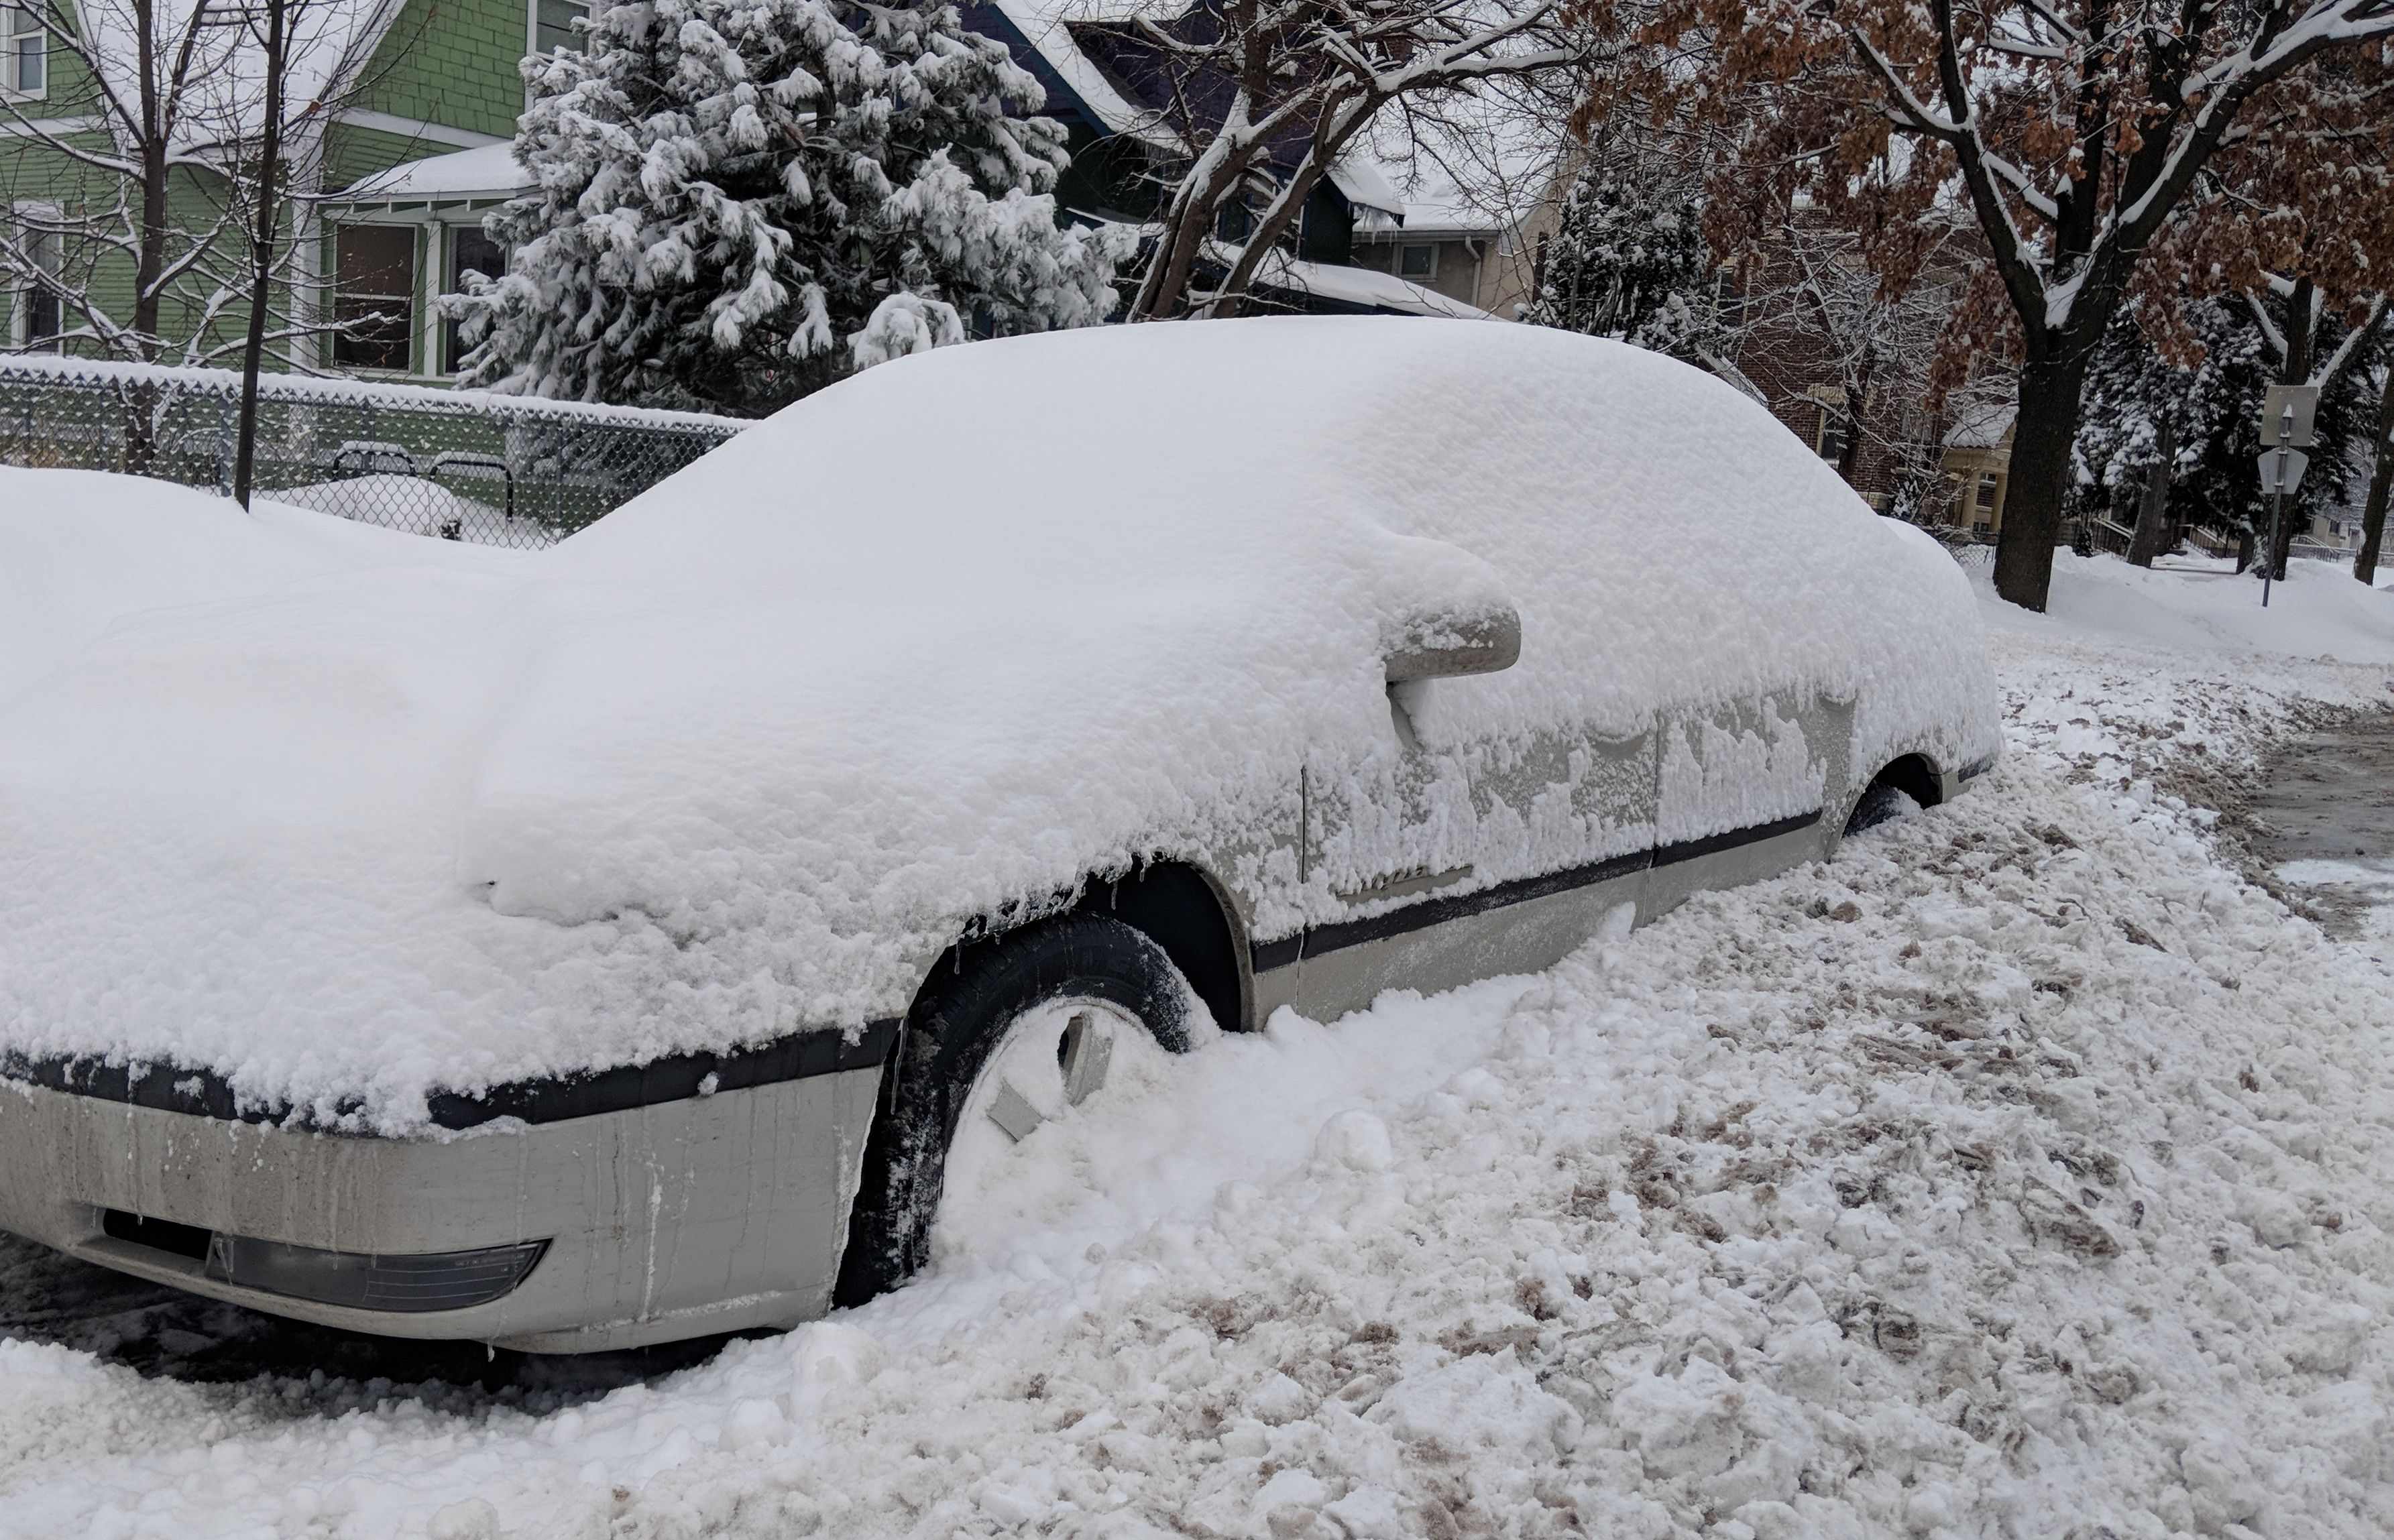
{"points": [[2288, 414], [2277, 509]]}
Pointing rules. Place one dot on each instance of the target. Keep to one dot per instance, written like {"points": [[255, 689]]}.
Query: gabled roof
{"points": [[227, 94], [1982, 425], [1042, 40], [1053, 39]]}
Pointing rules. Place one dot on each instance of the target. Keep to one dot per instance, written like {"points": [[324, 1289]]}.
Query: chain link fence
{"points": [[497, 470]]}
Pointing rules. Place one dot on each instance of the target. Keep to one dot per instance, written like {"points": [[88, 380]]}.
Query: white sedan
{"points": [[621, 943]]}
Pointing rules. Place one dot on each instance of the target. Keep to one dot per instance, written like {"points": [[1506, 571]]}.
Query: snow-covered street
{"points": [[2024, 1172]]}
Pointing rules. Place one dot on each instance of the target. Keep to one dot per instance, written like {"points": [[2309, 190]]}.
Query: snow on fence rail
{"points": [[463, 465]]}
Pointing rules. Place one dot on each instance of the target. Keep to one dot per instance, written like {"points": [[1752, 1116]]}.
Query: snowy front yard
{"points": [[2025, 1172]]}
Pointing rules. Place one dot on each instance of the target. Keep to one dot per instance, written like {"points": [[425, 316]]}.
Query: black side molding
{"points": [[1711, 845], [1323, 940], [674, 1078], [204, 1093]]}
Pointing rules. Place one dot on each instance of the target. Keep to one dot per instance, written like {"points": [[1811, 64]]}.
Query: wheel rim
{"points": [[1051, 1058]]}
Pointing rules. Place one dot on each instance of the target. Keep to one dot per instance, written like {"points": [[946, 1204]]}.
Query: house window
{"points": [[1832, 439], [552, 25], [1982, 512], [1420, 262], [25, 66], [374, 295], [470, 251], [37, 318]]}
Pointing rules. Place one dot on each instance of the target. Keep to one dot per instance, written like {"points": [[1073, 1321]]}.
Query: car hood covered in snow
{"points": [[348, 817]]}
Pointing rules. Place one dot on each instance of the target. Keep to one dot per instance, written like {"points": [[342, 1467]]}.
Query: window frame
{"points": [[450, 236], [23, 299], [12, 37], [532, 27], [412, 326], [1430, 276]]}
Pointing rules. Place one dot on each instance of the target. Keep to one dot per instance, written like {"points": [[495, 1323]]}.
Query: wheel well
{"points": [[1176, 906], [1914, 777]]}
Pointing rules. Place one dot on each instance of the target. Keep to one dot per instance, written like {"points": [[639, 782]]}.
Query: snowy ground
{"points": [[2024, 1172]]}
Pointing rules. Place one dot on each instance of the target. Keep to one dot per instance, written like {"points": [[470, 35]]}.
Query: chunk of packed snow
{"points": [[742, 757]]}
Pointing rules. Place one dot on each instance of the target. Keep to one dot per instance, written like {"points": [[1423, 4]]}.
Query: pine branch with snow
{"points": [[1629, 259], [737, 201]]}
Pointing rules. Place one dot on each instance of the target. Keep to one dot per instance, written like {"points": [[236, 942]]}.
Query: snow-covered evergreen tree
{"points": [[2214, 403], [1629, 259], [736, 201]]}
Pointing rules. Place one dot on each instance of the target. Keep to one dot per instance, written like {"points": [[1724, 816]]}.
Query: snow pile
{"points": [[88, 552], [2021, 1173], [742, 758], [2319, 611]]}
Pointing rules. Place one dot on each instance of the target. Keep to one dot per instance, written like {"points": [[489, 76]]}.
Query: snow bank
{"points": [[84, 552], [2319, 611], [2021, 1174], [742, 756]]}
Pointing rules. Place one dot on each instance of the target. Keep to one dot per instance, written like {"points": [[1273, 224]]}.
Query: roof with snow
{"points": [[488, 171], [1361, 287], [333, 41], [1982, 425], [1044, 29], [1433, 219]]}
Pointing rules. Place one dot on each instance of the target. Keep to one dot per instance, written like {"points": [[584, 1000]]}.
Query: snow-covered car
{"points": [[635, 940]]}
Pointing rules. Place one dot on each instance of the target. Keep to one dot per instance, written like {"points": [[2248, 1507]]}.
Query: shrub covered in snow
{"points": [[738, 202]]}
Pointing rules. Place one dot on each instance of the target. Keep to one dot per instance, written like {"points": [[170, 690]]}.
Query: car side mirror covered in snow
{"points": [[1442, 646]]}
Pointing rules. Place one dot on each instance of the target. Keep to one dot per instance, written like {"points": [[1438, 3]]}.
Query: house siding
{"points": [[452, 62]]}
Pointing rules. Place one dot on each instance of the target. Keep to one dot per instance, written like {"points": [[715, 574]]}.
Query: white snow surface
{"points": [[2021, 1173], [742, 757], [2204, 606], [490, 169]]}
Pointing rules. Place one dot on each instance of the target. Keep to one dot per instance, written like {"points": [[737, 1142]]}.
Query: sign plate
{"points": [[2291, 465], [2304, 399]]}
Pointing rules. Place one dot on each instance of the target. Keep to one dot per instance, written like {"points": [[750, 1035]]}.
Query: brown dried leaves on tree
{"points": [[2094, 145]]}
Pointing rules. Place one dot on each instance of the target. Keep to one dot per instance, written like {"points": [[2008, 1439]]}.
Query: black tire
{"points": [[1879, 804], [977, 991]]}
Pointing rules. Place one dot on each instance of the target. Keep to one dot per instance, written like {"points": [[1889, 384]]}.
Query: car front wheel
{"points": [[1008, 1034]]}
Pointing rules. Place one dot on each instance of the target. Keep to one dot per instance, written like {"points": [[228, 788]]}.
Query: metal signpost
{"points": [[2288, 414]]}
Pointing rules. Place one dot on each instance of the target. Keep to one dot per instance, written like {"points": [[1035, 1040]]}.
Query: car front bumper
{"points": [[706, 1213]]}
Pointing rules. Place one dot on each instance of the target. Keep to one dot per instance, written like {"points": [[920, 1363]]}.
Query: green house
{"points": [[411, 81], [414, 149]]}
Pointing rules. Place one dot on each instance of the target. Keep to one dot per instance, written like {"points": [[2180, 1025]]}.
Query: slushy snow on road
{"points": [[2023, 1172]]}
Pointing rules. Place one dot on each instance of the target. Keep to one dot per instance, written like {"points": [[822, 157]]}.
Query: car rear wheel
{"points": [[1880, 804], [1009, 1033]]}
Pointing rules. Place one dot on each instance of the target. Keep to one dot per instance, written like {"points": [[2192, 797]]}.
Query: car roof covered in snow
{"points": [[949, 636]]}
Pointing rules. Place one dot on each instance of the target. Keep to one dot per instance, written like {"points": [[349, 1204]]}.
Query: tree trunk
{"points": [[2152, 514], [150, 255], [261, 253], [2042, 435], [2381, 482]]}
